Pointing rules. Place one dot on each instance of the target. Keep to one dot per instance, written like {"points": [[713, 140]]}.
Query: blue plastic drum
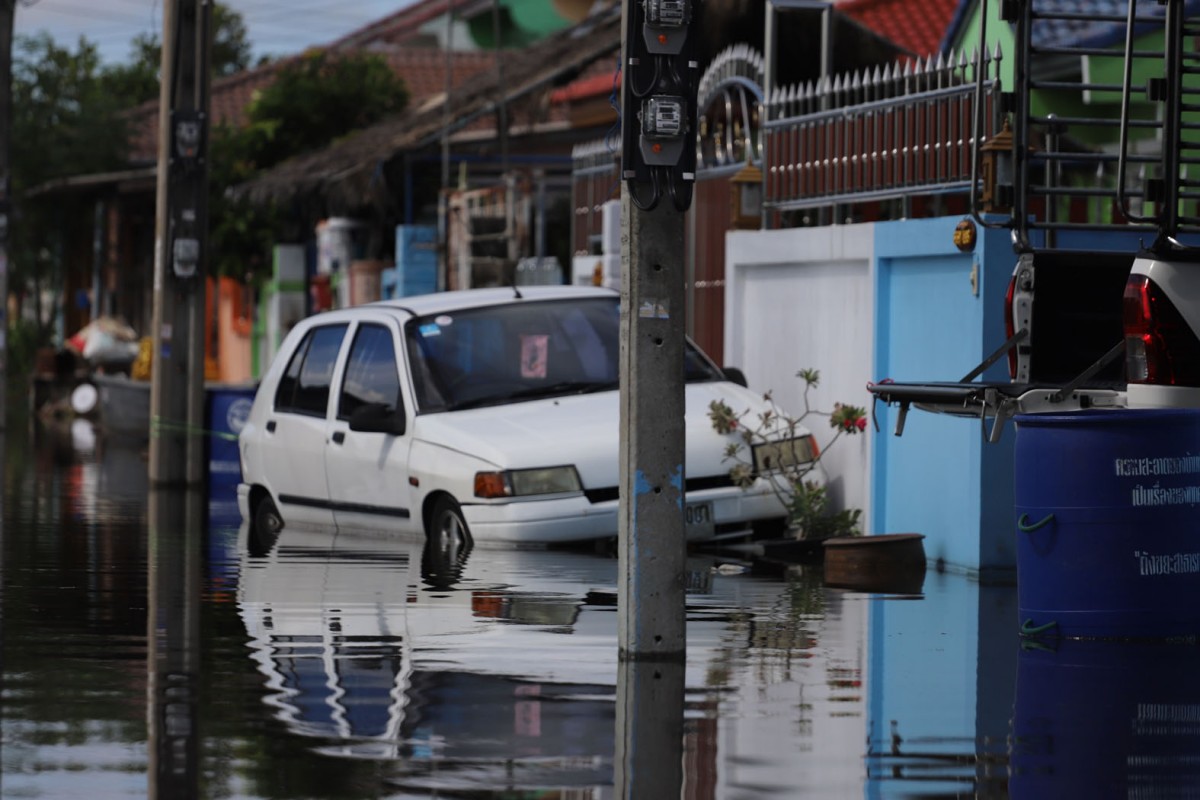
{"points": [[228, 409], [1108, 523]]}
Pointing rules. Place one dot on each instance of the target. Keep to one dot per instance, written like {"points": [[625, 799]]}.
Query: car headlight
{"points": [[785, 453], [522, 482]]}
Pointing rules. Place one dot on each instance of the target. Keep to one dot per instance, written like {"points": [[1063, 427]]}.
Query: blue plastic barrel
{"points": [[1108, 523], [1105, 719], [228, 409]]}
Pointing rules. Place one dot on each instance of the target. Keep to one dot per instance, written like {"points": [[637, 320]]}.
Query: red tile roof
{"points": [[917, 26]]}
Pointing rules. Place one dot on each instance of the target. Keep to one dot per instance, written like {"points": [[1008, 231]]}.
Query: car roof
{"points": [[444, 302]]}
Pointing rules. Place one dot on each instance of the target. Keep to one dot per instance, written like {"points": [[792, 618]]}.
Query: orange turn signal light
{"points": [[491, 484]]}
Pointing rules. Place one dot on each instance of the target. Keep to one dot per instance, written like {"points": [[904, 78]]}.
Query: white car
{"points": [[488, 414]]}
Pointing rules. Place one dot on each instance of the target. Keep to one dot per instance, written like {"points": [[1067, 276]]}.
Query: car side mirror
{"points": [[735, 375], [377, 418]]}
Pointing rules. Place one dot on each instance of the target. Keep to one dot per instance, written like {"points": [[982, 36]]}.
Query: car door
{"points": [[295, 432], [367, 470]]}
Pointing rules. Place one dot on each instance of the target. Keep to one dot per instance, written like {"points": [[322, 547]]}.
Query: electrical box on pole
{"points": [[659, 114]]}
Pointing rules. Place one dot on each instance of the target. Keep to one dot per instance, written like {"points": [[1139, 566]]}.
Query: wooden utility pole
{"points": [[8, 12], [181, 244]]}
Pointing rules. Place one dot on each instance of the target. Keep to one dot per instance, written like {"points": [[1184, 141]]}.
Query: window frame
{"points": [[398, 406], [300, 361]]}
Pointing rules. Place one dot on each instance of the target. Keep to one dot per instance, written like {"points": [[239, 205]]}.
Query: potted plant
{"points": [[805, 501]]}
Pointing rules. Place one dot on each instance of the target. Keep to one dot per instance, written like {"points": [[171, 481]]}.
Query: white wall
{"points": [[800, 298]]}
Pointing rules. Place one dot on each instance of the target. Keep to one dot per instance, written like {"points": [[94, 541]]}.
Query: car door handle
{"points": [[270, 426], [339, 437]]}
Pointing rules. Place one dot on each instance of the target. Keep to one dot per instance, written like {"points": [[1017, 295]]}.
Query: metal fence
{"points": [[879, 133]]}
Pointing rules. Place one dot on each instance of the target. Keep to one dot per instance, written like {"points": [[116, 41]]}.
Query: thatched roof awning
{"points": [[344, 172]]}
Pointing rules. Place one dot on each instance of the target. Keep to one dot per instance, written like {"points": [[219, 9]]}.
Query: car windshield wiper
{"points": [[535, 392]]}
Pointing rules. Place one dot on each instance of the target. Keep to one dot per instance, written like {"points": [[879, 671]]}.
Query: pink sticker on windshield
{"points": [[535, 351]]}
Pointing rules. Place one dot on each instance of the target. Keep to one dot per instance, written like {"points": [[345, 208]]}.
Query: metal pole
{"points": [[444, 195], [98, 218], [501, 88], [651, 535], [180, 258], [7, 17]]}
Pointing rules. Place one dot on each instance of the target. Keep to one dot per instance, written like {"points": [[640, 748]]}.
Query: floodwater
{"points": [[151, 648]]}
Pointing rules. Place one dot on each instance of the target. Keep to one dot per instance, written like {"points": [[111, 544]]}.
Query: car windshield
{"points": [[522, 351]]}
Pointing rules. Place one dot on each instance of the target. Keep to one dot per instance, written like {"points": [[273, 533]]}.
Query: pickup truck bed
{"points": [[1069, 356]]}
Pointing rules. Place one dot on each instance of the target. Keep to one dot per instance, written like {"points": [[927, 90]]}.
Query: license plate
{"points": [[698, 519]]}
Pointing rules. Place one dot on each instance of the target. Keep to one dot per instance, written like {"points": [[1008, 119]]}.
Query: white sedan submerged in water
{"points": [[489, 414]]}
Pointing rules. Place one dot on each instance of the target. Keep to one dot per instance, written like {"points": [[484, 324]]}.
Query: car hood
{"points": [[583, 430]]}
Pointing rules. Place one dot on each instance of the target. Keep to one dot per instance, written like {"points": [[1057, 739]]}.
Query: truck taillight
{"points": [[1160, 347], [1010, 327]]}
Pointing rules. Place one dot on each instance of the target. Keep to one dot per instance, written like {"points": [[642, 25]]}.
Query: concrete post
{"points": [[651, 541], [7, 20], [180, 255]]}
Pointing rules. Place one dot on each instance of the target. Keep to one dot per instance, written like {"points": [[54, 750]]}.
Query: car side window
{"points": [[304, 387], [371, 374]]}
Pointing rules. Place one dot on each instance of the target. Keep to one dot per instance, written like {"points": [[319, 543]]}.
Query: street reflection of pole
{"points": [[649, 757], [173, 639]]}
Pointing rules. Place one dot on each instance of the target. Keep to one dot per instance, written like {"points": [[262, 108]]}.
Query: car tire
{"points": [[268, 522], [447, 523]]}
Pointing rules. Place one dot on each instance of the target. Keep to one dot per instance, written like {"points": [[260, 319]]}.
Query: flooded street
{"points": [[151, 648]]}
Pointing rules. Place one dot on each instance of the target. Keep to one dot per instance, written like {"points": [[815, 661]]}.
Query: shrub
{"points": [[805, 501]]}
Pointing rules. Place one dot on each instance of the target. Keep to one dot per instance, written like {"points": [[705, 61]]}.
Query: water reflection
{"points": [[173, 636], [389, 648], [650, 729], [492, 668], [1106, 719], [150, 649], [940, 690]]}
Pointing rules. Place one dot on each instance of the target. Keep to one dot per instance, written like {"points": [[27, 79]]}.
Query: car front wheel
{"points": [[267, 518], [446, 523]]}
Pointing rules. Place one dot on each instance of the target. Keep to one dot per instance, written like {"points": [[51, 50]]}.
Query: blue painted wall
{"points": [[941, 478]]}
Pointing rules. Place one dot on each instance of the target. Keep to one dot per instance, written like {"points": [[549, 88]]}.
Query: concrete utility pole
{"points": [[651, 540], [181, 244], [651, 537], [8, 13]]}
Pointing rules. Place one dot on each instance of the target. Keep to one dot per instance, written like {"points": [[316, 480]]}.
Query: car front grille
{"points": [[691, 485]]}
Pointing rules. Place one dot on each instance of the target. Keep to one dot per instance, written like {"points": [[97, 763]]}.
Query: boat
{"points": [[124, 414], [124, 405]]}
